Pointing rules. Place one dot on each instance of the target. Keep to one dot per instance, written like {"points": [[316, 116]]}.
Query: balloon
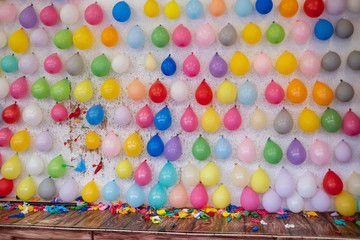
{"points": [[260, 181], [194, 9], [296, 91], [300, 32], [39, 37], [295, 203], [172, 10], [83, 91], [335, 7], [314, 8], [20, 141], [92, 140], [275, 33], [320, 153], [240, 176], [332, 183], [143, 174], [11, 169], [109, 36], [11, 114], [243, 8], [110, 89], [272, 152], [69, 14], [288, 8], [160, 37], [173, 149], [217, 8], [82, 38], [201, 149], [6, 187], [262, 63], [69, 191], [32, 114], [344, 28], [151, 8], [274, 93], [133, 145], [90, 192], [258, 119], [150, 62], [26, 189], [210, 175], [331, 61], [18, 89], [121, 11], [47, 189], [110, 191], [252, 33], [353, 60], [179, 91], [203, 94], [239, 64], [353, 183], [210, 121], [8, 12], [53, 64], [323, 29], [95, 115], [247, 93], [59, 113], [343, 152], [306, 185], [218, 67], [226, 92], [191, 66], [190, 175], [178, 196], [18, 41], [100, 66], [136, 90], [249, 199], [120, 63], [49, 16], [157, 196], [162, 120], [74, 65], [111, 145], [135, 37], [9, 64], [199, 196], [135, 196], [350, 124], [353, 6], [57, 167], [124, 169], [144, 117], [296, 153], [35, 165], [308, 121], [283, 122], [63, 39], [168, 175], [285, 184], [28, 64], [205, 35], [155, 146], [320, 201], [263, 6], [322, 94], [221, 197], [223, 148], [157, 92], [345, 204], [246, 151], [5, 137], [93, 14], [232, 119], [331, 120], [228, 35], [122, 116], [271, 201], [4, 88], [168, 66], [286, 64]]}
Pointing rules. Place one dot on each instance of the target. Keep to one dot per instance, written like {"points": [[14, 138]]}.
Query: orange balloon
{"points": [[322, 94], [109, 36], [136, 90], [288, 8], [217, 8], [296, 92]]}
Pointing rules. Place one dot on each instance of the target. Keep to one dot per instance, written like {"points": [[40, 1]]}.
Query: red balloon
{"points": [[5, 137], [11, 114], [351, 124], [59, 113], [6, 186], [157, 92], [314, 8], [204, 94], [332, 183]]}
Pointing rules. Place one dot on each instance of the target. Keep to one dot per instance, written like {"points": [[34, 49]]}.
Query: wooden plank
{"points": [[322, 226], [208, 225], [274, 226], [10, 234], [302, 226], [165, 225], [184, 224], [14, 220], [126, 236], [137, 223], [55, 218], [350, 230], [31, 219], [117, 221], [74, 219], [95, 219]]}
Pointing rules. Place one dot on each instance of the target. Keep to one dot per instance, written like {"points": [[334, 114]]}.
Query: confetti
{"points": [[340, 222], [262, 222], [255, 229], [334, 214], [289, 226]]}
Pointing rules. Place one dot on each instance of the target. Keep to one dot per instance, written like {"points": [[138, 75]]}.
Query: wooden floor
{"points": [[104, 225]]}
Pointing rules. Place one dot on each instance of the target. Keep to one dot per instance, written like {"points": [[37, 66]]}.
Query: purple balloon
{"points": [[218, 67], [296, 153], [43, 141], [173, 149], [27, 17]]}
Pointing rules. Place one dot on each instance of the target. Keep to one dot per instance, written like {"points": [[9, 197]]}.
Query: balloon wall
{"points": [[242, 102]]}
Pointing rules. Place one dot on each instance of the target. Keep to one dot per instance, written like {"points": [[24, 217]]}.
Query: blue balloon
{"points": [[243, 8], [95, 115], [121, 11], [323, 29], [135, 37], [247, 93], [263, 6], [168, 66], [194, 9], [168, 175], [157, 196], [223, 148], [162, 120], [110, 191], [155, 146], [135, 196], [9, 63]]}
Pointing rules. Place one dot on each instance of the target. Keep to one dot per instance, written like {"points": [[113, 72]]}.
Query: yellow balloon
{"points": [[260, 181], [18, 41], [226, 92], [20, 141], [210, 175], [172, 9], [124, 169], [150, 62], [221, 197], [11, 169], [82, 38], [151, 8], [133, 145], [258, 119], [308, 121], [109, 36], [26, 189], [92, 140], [239, 64], [110, 89], [251, 33], [286, 63], [83, 91], [90, 192], [345, 204], [210, 120]]}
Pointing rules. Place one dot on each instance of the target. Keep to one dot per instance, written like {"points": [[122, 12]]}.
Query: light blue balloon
{"points": [[243, 8], [168, 175], [155, 146], [136, 37], [135, 196], [110, 191], [9, 63], [95, 115], [223, 148], [157, 196], [162, 120], [247, 93], [194, 9]]}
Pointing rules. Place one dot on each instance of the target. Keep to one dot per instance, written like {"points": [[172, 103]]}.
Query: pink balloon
{"points": [[320, 153], [19, 88], [181, 36], [59, 113], [249, 199], [205, 35], [144, 117], [232, 119], [351, 124], [93, 14], [300, 32], [343, 152], [49, 16], [271, 201], [8, 12], [309, 63], [274, 93], [111, 145], [178, 196], [53, 64], [199, 197], [189, 122], [143, 174], [191, 66], [335, 7], [262, 63], [5, 137], [246, 151]]}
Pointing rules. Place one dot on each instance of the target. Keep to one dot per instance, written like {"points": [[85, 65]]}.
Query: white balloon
{"points": [[295, 203], [35, 165], [285, 184], [179, 91], [271, 201], [120, 63], [69, 14], [28, 64], [353, 184], [69, 191], [190, 175], [32, 114], [4, 88], [39, 37], [343, 152], [353, 6], [3, 39], [43, 141], [306, 186], [122, 116], [321, 201]]}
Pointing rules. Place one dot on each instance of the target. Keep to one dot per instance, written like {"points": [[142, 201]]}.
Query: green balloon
{"points": [[160, 37], [63, 39], [331, 120], [275, 33], [40, 89], [57, 167], [201, 149], [272, 152], [60, 91], [100, 66]]}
